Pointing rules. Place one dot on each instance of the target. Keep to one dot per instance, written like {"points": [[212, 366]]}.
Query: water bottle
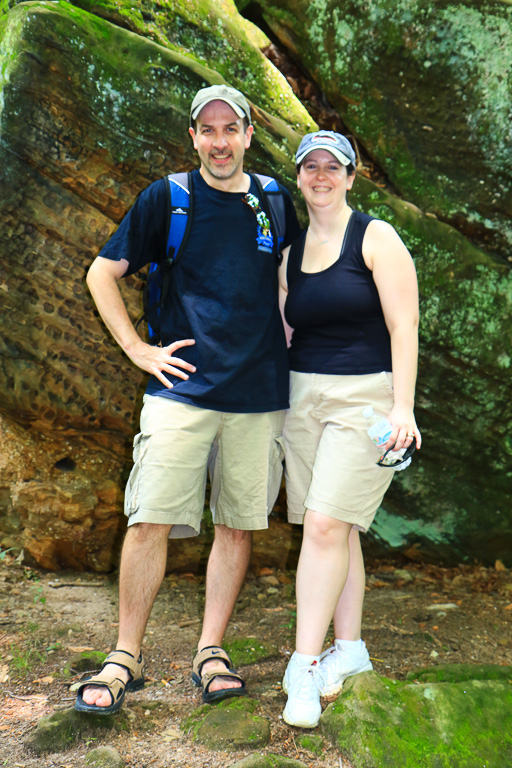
{"points": [[379, 431], [379, 428]]}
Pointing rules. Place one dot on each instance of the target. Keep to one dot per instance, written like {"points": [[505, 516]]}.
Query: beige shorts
{"points": [[330, 462], [176, 447]]}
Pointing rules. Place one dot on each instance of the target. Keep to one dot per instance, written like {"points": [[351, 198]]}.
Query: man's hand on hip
{"points": [[161, 360]]}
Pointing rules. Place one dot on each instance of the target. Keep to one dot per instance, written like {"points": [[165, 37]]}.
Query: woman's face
{"points": [[323, 180]]}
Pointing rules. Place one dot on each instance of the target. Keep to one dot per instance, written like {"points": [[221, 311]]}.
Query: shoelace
{"points": [[306, 680]]}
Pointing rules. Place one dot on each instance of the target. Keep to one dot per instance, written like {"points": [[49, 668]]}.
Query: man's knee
{"points": [[147, 532], [233, 535]]}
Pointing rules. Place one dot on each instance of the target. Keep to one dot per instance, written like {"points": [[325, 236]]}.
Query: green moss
{"points": [[211, 34], [249, 650], [58, 732], [228, 725], [85, 661], [406, 725], [312, 743], [459, 673], [424, 87]]}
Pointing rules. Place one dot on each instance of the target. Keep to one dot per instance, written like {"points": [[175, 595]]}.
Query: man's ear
{"points": [[248, 135], [193, 134]]}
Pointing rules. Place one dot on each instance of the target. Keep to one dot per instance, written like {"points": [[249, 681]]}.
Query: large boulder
{"points": [[425, 88], [91, 113], [94, 106], [454, 502], [378, 722]]}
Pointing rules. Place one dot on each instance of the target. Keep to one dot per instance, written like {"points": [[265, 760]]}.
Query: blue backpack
{"points": [[181, 212]]}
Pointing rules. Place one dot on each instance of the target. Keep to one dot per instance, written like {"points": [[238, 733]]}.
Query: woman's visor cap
{"points": [[333, 142]]}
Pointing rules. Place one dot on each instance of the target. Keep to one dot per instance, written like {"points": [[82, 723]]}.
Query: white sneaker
{"points": [[302, 684], [336, 665]]}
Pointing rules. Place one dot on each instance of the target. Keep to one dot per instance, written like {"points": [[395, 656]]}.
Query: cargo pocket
{"points": [[132, 491]]}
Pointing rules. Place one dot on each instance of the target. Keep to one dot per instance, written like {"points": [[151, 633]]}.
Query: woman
{"points": [[350, 294]]}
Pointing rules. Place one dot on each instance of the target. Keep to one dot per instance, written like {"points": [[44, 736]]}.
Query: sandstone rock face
{"points": [[90, 114], [94, 106], [455, 499], [424, 87]]}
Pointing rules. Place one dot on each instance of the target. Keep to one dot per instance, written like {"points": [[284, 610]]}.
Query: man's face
{"points": [[220, 141]]}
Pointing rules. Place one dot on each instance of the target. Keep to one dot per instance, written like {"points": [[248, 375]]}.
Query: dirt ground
{"points": [[415, 615]]}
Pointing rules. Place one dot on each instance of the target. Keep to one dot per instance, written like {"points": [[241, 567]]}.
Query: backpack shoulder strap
{"points": [[180, 210], [179, 217], [269, 192]]}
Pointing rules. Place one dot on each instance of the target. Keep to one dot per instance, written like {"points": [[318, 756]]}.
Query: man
{"points": [[215, 399]]}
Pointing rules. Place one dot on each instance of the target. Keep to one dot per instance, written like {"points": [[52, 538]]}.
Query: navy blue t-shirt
{"points": [[223, 294]]}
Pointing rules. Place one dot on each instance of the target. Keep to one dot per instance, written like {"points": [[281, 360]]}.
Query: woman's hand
{"points": [[405, 430], [160, 360]]}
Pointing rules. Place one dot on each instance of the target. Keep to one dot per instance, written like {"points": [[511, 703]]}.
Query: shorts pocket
{"points": [[131, 496], [275, 471], [386, 381]]}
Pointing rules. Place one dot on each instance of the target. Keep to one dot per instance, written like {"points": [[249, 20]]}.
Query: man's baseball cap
{"points": [[333, 142], [231, 96]]}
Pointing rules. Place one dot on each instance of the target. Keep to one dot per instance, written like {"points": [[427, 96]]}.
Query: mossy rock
{"points": [[60, 731], [419, 84], [257, 760], [379, 722], [459, 673], [230, 725], [312, 743], [104, 757], [85, 661], [248, 650]]}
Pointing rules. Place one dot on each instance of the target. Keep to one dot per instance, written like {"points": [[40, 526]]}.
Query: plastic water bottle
{"points": [[379, 432], [379, 428]]}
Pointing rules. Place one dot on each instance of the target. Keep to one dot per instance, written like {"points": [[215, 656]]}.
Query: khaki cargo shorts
{"points": [[330, 462], [179, 444]]}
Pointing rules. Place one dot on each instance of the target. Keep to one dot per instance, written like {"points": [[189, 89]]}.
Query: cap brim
{"points": [[338, 154], [235, 107]]}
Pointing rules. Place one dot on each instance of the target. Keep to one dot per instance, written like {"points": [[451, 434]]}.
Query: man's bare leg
{"points": [[142, 569], [227, 566]]}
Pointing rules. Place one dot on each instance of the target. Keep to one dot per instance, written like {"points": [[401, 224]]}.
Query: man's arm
{"points": [[102, 282]]}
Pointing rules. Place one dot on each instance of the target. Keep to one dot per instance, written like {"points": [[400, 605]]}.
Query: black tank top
{"points": [[336, 314]]}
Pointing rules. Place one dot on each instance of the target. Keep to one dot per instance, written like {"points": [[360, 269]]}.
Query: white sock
{"points": [[349, 646], [305, 658]]}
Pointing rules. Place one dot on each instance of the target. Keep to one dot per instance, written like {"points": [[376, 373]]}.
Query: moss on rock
{"points": [[248, 650], [379, 722], [60, 731], [229, 725], [211, 34], [104, 757], [85, 661], [267, 761], [459, 673], [424, 87], [465, 340]]}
